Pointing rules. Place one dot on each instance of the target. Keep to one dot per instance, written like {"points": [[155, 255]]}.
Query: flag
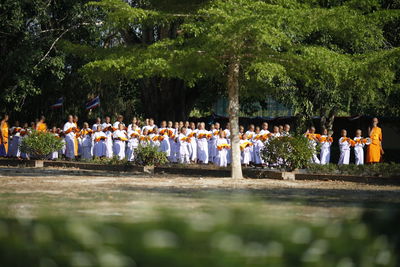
{"points": [[93, 103], [59, 103]]}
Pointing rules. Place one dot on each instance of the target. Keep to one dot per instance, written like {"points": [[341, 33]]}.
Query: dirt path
{"points": [[138, 197]]}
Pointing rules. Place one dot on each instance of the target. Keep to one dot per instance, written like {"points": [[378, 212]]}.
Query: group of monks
{"points": [[325, 140], [183, 142]]}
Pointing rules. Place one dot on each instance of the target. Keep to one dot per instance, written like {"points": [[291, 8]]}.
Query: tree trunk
{"points": [[328, 119], [233, 111]]}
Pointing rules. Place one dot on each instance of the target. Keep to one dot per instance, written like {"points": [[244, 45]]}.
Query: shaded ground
{"points": [[139, 197]]}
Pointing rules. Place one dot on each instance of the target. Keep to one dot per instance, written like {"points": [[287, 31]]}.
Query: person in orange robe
{"points": [[375, 151], [41, 126], [76, 143], [4, 136]]}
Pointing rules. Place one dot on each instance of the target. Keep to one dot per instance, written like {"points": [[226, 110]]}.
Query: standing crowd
{"points": [[182, 142]]}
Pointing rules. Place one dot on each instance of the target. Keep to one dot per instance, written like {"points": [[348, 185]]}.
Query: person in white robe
{"points": [[183, 143], [359, 148], [108, 130], [326, 143], [223, 148], [250, 136], [97, 123], [69, 131], [344, 146], [258, 145], [313, 140], [245, 146], [133, 143], [120, 120], [191, 133], [87, 141], [202, 144], [120, 137], [99, 139]]}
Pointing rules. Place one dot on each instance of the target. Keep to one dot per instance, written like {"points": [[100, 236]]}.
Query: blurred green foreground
{"points": [[219, 237]]}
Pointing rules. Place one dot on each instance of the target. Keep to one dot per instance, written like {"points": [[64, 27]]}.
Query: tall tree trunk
{"points": [[328, 119], [233, 110]]}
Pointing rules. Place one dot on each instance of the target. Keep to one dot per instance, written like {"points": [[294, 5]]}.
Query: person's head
{"points": [[324, 131], [176, 125], [5, 118], [202, 125], [212, 127], [265, 126], [222, 134], [76, 118], [170, 124], [183, 130], [192, 125], [98, 120], [286, 128], [375, 122], [99, 128], [85, 125], [217, 126], [241, 129], [120, 126], [251, 127], [228, 126], [344, 133], [187, 124], [181, 124], [257, 130], [25, 125], [108, 119], [145, 132], [16, 123], [33, 125], [54, 129], [42, 118], [276, 129], [70, 118], [358, 133], [147, 121], [151, 122], [120, 118], [280, 128], [312, 129], [134, 121], [163, 124]]}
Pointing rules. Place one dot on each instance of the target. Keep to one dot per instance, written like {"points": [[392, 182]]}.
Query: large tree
{"points": [[279, 45]]}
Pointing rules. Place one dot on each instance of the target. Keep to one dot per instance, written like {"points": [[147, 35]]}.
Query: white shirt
{"points": [[67, 126]]}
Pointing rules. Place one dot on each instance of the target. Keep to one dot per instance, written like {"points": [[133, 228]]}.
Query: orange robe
{"points": [[41, 127], [76, 144], [374, 149], [4, 133]]}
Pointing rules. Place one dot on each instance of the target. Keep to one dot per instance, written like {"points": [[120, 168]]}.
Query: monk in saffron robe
{"points": [[375, 150], [4, 136], [41, 126]]}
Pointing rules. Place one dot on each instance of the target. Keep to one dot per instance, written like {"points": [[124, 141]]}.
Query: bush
{"points": [[287, 153], [234, 238], [149, 156], [108, 161], [39, 145]]}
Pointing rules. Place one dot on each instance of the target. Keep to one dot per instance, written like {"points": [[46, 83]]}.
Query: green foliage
{"points": [[380, 169], [287, 153], [228, 237], [39, 145], [149, 156], [109, 161]]}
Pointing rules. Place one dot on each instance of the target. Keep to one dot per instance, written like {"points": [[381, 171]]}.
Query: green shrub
{"points": [[287, 153], [108, 161], [149, 156], [39, 145], [232, 238]]}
